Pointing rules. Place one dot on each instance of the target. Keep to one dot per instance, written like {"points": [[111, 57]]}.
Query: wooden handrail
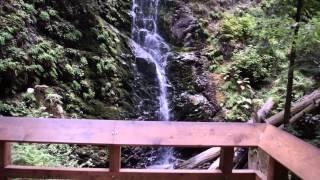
{"points": [[285, 150], [131, 133]]}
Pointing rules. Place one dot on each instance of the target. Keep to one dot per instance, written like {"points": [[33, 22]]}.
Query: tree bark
{"points": [[301, 104], [292, 58]]}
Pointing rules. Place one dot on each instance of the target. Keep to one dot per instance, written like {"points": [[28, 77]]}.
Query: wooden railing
{"points": [[286, 151]]}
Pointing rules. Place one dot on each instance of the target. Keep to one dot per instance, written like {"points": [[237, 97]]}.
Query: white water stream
{"points": [[149, 45]]}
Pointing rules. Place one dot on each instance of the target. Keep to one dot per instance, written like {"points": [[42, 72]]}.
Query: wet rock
{"points": [[91, 156], [194, 107], [201, 83], [184, 26], [191, 91], [185, 29], [147, 69]]}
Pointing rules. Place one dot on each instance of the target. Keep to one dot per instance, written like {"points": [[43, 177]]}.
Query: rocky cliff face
{"points": [[79, 49], [193, 95]]}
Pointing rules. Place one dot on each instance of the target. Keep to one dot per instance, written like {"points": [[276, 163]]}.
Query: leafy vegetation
{"points": [[43, 155], [65, 55], [79, 54], [260, 38]]}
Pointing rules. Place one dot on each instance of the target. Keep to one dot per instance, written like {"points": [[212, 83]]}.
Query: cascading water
{"points": [[150, 46]]}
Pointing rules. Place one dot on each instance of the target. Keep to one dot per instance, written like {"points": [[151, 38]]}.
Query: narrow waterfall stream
{"points": [[150, 46]]}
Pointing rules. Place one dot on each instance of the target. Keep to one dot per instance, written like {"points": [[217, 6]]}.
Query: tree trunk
{"points": [[292, 58]]}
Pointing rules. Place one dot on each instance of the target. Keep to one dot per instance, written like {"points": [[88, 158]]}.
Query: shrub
{"points": [[43, 155], [251, 65], [238, 107], [239, 28]]}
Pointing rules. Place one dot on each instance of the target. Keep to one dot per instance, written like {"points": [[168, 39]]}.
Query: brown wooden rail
{"points": [[286, 151]]}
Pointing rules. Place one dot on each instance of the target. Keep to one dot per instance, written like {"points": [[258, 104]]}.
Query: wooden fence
{"points": [[286, 152]]}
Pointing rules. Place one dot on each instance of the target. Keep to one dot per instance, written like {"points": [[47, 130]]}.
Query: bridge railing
{"points": [[286, 152]]}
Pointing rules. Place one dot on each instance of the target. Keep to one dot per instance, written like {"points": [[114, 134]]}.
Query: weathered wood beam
{"points": [[131, 133], [298, 156], [114, 158], [226, 160], [5, 158], [276, 171], [125, 174]]}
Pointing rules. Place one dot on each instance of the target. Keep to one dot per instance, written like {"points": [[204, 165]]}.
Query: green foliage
{"points": [[44, 16], [32, 155], [238, 27], [253, 65], [46, 55], [74, 71], [238, 94], [215, 15], [108, 38], [308, 44], [65, 31], [24, 108], [5, 36], [258, 41], [238, 106], [43, 155], [29, 8], [277, 89], [105, 66]]}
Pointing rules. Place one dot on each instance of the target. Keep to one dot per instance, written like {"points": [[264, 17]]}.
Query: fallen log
{"points": [[262, 113], [301, 104], [215, 164], [201, 158], [308, 109]]}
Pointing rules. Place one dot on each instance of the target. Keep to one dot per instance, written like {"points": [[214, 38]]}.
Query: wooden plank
{"points": [[55, 131], [276, 171], [187, 134], [299, 157], [226, 160], [2, 160], [125, 174], [133, 133], [260, 175], [53, 173], [5, 158], [114, 158]]}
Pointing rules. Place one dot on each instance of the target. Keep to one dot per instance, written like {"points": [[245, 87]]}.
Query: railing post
{"points": [[226, 160], [276, 171], [114, 158], [5, 158]]}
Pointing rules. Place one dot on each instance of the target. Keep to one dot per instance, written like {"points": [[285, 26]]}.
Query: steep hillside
{"points": [[66, 53]]}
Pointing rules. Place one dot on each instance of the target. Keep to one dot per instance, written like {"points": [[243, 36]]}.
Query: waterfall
{"points": [[150, 46]]}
